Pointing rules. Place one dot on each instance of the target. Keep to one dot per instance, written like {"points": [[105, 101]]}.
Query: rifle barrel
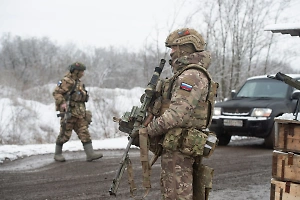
{"points": [[288, 80]]}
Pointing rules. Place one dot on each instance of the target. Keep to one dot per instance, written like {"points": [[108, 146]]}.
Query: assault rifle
{"points": [[130, 123], [292, 82], [67, 114]]}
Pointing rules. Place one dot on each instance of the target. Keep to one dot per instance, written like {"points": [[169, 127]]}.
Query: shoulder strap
{"points": [[67, 96], [73, 88]]}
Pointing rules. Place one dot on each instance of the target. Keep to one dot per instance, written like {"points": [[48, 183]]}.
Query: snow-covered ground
{"points": [[13, 152]]}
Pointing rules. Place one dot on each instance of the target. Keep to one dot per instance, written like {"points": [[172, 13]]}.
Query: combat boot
{"points": [[58, 153], [89, 151]]}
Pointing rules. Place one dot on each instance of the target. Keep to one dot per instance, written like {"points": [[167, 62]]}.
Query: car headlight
{"points": [[261, 112], [217, 111]]}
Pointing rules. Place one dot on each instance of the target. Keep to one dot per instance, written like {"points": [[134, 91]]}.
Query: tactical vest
{"points": [[79, 94], [190, 140], [202, 115], [78, 97]]}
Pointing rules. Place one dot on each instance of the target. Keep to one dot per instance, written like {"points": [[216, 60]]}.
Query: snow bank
{"points": [[31, 122]]}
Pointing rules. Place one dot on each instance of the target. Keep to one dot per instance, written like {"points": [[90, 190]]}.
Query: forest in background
{"points": [[233, 31], [30, 67]]}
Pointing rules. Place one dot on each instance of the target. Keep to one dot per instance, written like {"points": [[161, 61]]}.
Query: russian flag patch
{"points": [[59, 83], [186, 87]]}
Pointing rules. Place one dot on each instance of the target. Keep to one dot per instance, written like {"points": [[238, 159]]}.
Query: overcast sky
{"points": [[126, 23], [91, 22]]}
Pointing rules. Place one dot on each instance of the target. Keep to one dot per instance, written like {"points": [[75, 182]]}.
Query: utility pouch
{"points": [[193, 142], [88, 116], [155, 144], [211, 144], [206, 176], [172, 139], [78, 110], [157, 106], [76, 96]]}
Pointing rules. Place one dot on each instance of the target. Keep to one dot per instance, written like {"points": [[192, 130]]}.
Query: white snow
{"points": [[13, 152], [288, 116], [290, 26]]}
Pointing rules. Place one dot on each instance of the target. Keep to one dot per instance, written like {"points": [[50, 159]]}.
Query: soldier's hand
{"points": [[135, 136], [136, 133], [63, 106]]}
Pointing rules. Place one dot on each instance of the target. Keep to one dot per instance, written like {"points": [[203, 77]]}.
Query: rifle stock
{"points": [[130, 123]]}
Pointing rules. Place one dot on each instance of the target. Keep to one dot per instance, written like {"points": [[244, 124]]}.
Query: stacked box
{"points": [[281, 190], [287, 135], [285, 182], [286, 166]]}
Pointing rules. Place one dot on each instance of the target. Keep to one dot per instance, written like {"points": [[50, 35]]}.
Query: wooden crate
{"points": [[286, 166], [281, 190], [287, 135]]}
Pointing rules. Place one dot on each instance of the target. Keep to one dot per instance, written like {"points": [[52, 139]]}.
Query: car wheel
{"points": [[224, 139], [270, 140]]}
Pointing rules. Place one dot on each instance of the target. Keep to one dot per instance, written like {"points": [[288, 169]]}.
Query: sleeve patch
{"points": [[186, 87]]}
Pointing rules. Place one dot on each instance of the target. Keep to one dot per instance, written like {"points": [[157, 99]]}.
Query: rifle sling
{"points": [[144, 158], [73, 88], [67, 96], [130, 176]]}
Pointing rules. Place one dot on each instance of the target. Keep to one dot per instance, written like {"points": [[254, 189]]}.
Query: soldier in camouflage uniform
{"points": [[70, 95], [185, 111]]}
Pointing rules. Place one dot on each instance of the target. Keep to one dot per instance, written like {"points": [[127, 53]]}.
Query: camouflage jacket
{"points": [[187, 97], [78, 96]]}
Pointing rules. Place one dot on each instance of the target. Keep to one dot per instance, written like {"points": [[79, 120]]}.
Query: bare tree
{"points": [[233, 30], [235, 35]]}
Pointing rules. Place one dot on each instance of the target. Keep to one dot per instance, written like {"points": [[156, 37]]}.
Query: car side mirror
{"points": [[233, 93], [296, 94]]}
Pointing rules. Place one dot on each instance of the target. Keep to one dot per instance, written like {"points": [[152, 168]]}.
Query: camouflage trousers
{"points": [[176, 176], [79, 125], [184, 177]]}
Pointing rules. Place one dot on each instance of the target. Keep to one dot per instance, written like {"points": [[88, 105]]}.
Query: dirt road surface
{"points": [[242, 172]]}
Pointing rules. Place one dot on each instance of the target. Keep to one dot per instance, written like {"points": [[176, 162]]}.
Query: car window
{"points": [[263, 88]]}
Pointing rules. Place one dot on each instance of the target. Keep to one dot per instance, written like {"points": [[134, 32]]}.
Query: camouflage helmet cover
{"points": [[186, 36], [77, 66]]}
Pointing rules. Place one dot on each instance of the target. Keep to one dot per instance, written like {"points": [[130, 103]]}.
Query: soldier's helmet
{"points": [[77, 66], [186, 36]]}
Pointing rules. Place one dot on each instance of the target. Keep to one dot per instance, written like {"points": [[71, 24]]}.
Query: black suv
{"points": [[251, 111]]}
